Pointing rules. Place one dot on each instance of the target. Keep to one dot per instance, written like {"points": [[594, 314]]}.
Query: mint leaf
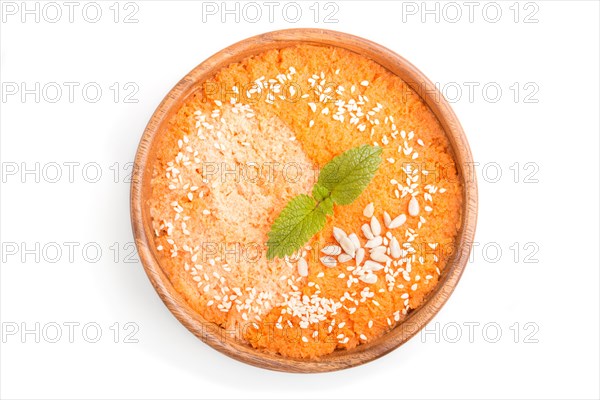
{"points": [[341, 181], [300, 220], [320, 193], [347, 175], [326, 206]]}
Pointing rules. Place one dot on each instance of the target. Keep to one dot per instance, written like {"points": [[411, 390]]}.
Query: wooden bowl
{"points": [[215, 337]]}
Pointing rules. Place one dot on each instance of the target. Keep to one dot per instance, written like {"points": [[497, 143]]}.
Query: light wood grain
{"points": [[340, 359]]}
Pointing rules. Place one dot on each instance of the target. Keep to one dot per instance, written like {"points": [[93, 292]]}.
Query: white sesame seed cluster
{"points": [[235, 285]]}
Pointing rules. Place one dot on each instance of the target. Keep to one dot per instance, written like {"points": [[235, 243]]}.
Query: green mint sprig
{"points": [[340, 181]]}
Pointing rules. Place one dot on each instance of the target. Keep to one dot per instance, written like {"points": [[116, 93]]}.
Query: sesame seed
{"points": [[369, 278], [366, 229], [342, 258], [376, 241], [355, 240], [328, 261], [372, 265], [331, 250], [302, 267], [368, 211], [397, 222], [375, 226], [347, 246], [413, 207], [360, 255], [338, 233]]}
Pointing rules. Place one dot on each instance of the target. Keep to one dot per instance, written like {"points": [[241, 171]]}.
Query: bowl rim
{"points": [[215, 336]]}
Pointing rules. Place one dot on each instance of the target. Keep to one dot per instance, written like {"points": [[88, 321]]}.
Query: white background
{"points": [[557, 295]]}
